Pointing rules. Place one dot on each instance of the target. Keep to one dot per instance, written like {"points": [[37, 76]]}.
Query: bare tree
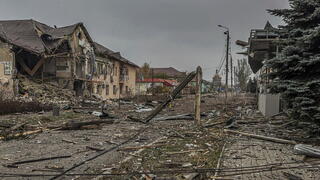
{"points": [[145, 70], [242, 74]]}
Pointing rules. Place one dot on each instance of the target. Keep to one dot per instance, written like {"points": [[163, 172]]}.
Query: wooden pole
{"points": [[171, 97], [197, 100], [277, 140]]}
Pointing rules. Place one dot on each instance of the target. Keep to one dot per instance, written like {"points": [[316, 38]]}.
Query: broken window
{"points": [[62, 65], [114, 89], [80, 35], [107, 89], [62, 68], [121, 88], [99, 89], [115, 70], [7, 68], [99, 68]]}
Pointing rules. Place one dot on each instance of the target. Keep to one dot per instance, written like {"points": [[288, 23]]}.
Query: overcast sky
{"points": [[164, 33]]}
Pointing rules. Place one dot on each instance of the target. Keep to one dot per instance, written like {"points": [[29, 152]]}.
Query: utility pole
{"points": [[197, 99], [234, 77], [227, 67], [152, 84], [231, 60], [227, 63]]}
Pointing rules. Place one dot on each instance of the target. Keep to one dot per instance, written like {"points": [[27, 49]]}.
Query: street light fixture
{"points": [[227, 62], [223, 27]]}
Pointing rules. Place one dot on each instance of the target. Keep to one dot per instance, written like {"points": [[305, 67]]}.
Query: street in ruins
{"points": [[160, 90]]}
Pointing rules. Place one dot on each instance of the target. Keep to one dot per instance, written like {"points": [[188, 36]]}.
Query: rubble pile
{"points": [[46, 93]]}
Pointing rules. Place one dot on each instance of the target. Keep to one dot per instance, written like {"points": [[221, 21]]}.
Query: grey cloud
{"points": [[179, 33]]}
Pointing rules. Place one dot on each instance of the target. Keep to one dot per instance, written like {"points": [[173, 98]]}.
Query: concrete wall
{"points": [[6, 70], [269, 104], [107, 86], [130, 82], [142, 87]]}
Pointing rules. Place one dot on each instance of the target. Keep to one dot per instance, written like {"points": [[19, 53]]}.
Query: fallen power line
{"points": [[227, 171]]}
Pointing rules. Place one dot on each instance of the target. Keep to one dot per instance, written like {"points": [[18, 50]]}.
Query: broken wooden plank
{"points": [[213, 124], [69, 141], [24, 66], [76, 125], [171, 97], [249, 122], [272, 139], [178, 134], [177, 117], [21, 134], [140, 147], [37, 66], [17, 126], [94, 148], [38, 160], [183, 152]]}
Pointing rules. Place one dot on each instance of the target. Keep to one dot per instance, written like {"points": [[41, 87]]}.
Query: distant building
{"points": [[143, 87], [168, 73], [216, 82], [263, 45], [117, 74]]}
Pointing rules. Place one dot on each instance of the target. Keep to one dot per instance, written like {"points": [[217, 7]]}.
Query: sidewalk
{"points": [[268, 160]]}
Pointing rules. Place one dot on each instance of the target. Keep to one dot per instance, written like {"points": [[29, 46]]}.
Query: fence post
{"points": [[197, 101]]}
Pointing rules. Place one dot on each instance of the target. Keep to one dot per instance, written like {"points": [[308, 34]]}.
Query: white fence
{"points": [[269, 104]]}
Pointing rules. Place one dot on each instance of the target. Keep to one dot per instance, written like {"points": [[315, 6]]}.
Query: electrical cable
{"points": [[232, 171]]}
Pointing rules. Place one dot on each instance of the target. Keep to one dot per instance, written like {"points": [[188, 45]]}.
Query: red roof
{"points": [[166, 82]]}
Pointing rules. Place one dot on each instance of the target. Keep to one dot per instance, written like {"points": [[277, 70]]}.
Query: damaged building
{"points": [[65, 56], [116, 76], [262, 45]]}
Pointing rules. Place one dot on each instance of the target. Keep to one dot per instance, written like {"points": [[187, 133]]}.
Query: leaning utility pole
{"points": [[227, 63], [231, 72], [234, 78]]}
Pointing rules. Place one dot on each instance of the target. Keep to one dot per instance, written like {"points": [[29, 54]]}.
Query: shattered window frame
{"points": [[7, 68], [114, 90], [99, 89], [107, 89]]}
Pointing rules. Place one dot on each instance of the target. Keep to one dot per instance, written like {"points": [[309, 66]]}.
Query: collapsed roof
{"points": [[34, 36], [106, 52], [41, 39], [166, 82]]}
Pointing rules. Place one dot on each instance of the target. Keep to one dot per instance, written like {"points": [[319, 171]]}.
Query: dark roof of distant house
{"points": [[166, 82], [27, 34], [103, 51], [269, 27], [170, 71]]}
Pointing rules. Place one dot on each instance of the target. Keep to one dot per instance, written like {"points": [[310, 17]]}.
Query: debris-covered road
{"points": [[171, 146], [176, 139]]}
